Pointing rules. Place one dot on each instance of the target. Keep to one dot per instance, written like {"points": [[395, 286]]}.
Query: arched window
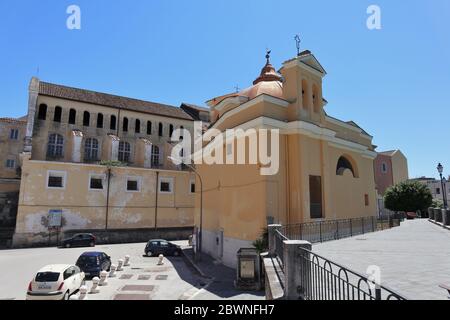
{"points": [[155, 156], [160, 130], [112, 124], [86, 119], [58, 114], [316, 98], [72, 116], [149, 127], [100, 121], [345, 164], [125, 125], [305, 94], [91, 149], [137, 127], [170, 130], [42, 114], [124, 151], [182, 133], [55, 147]]}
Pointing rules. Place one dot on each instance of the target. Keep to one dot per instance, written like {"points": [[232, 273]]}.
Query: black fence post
{"points": [[373, 224], [351, 227], [337, 229], [320, 230], [362, 225]]}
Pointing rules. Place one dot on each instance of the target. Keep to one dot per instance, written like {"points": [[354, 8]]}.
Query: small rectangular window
{"points": [[96, 183], [56, 179], [11, 164], [14, 134], [192, 187], [133, 184], [315, 194], [366, 199], [438, 190], [166, 185]]}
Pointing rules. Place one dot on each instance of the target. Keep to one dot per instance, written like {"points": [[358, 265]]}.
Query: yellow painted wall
{"points": [[86, 209]]}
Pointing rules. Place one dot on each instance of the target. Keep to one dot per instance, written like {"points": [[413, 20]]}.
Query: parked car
{"points": [[159, 246], [411, 215], [92, 263], [80, 240], [55, 282]]}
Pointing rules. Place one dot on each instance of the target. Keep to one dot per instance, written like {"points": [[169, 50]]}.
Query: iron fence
{"points": [[279, 248], [323, 279], [328, 230]]}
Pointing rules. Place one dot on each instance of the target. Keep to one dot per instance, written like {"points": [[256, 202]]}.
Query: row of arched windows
{"points": [[55, 149], [57, 117]]}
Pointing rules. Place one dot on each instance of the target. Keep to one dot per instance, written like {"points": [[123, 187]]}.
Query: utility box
{"points": [[248, 272]]}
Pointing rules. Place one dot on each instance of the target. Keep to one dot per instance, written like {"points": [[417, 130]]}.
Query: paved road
{"points": [[17, 268], [414, 258]]}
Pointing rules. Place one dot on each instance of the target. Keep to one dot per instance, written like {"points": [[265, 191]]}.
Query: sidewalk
{"points": [[220, 280]]}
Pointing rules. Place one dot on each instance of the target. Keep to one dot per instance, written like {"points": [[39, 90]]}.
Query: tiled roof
{"points": [[13, 121], [108, 100]]}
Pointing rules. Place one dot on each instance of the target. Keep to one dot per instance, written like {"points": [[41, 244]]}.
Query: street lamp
{"points": [[199, 240], [440, 169]]}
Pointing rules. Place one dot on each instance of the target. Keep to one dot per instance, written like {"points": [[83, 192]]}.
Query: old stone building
{"points": [[95, 161]]}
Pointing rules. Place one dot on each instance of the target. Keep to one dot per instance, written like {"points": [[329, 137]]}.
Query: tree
{"points": [[262, 244], [408, 197]]}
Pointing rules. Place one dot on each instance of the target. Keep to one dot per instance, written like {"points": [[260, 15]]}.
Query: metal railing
{"points": [[328, 230], [279, 247], [323, 279]]}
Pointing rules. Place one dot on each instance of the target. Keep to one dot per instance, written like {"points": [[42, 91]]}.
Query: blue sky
{"points": [[393, 82]]}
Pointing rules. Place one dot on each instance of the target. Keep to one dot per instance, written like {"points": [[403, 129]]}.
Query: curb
{"points": [[192, 263], [439, 224]]}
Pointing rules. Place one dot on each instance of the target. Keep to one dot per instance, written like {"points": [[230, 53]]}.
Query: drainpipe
{"points": [[156, 199], [107, 198]]}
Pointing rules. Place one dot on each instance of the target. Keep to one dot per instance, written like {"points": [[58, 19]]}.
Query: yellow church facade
{"points": [[325, 165]]}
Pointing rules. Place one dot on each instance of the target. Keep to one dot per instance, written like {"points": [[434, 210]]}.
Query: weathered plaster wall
{"points": [[86, 209]]}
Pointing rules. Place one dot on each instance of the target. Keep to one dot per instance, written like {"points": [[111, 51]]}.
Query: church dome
{"points": [[269, 82]]}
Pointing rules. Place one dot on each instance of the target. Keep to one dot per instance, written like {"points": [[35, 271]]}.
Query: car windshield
{"points": [[89, 260], [47, 277]]}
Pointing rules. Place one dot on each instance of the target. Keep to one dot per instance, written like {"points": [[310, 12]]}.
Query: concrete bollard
{"points": [[103, 279], [161, 260], [74, 297], [94, 288], [112, 272], [127, 261], [83, 293], [120, 265]]}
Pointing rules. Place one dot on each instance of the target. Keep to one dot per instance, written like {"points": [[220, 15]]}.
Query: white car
{"points": [[55, 282]]}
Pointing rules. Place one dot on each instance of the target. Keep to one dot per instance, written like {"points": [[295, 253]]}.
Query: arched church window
{"points": [[58, 114], [112, 124], [125, 125], [42, 114], [344, 164], [149, 127], [137, 127], [72, 116], [100, 121], [86, 119]]}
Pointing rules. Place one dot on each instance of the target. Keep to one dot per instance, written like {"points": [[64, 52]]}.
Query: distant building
{"points": [[435, 187], [12, 134], [390, 168]]}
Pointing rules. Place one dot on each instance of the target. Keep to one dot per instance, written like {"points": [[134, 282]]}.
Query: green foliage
{"points": [[262, 244], [408, 197], [112, 163], [437, 203]]}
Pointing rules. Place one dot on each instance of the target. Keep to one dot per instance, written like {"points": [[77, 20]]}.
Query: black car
{"points": [[80, 240], [164, 247], [92, 263]]}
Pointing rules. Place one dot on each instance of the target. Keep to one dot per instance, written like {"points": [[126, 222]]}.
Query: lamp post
{"points": [[440, 169], [199, 240]]}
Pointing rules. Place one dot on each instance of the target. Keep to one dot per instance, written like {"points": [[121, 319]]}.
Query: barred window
{"points": [[124, 151], [91, 149], [55, 145]]}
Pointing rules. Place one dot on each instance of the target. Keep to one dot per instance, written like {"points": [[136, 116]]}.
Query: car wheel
{"points": [[67, 245], [149, 254], [176, 253], [66, 296], [92, 244]]}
